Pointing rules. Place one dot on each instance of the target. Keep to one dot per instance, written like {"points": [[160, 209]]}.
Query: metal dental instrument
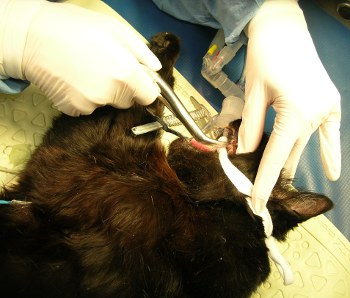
{"points": [[155, 125], [174, 104], [201, 113]]}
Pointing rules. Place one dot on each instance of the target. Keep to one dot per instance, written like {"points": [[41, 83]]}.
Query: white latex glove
{"points": [[284, 70], [79, 58]]}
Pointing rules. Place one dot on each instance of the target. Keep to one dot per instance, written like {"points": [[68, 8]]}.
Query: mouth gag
{"points": [[174, 104]]}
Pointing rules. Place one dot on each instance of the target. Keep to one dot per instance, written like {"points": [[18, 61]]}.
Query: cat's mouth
{"points": [[230, 132]]}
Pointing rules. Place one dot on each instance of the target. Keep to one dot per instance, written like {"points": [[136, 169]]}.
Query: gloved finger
{"points": [[292, 162], [253, 119], [128, 38], [330, 150], [118, 83], [278, 148], [80, 106], [137, 86], [147, 90]]}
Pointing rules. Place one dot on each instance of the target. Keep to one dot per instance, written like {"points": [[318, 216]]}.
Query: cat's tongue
{"points": [[202, 147]]}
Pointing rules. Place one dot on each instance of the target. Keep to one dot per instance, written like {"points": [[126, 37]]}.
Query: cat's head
{"points": [[201, 173]]}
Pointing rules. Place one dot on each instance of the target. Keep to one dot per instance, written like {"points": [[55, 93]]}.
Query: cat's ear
{"points": [[294, 208], [307, 204]]}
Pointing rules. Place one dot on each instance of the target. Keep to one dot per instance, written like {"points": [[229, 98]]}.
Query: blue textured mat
{"points": [[332, 41]]}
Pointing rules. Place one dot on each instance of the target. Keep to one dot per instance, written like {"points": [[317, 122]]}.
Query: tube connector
{"points": [[215, 59]]}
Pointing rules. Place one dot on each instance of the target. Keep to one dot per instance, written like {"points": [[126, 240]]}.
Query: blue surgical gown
{"points": [[230, 15]]}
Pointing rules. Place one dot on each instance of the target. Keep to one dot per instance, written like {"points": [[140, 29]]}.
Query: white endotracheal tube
{"points": [[244, 185], [217, 56]]}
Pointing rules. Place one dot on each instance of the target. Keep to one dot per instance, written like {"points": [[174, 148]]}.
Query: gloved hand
{"points": [[79, 58], [284, 70]]}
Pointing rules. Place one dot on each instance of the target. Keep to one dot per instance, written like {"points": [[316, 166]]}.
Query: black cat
{"points": [[109, 214]]}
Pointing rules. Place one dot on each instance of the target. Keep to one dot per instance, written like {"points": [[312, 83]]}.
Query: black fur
{"points": [[113, 215]]}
